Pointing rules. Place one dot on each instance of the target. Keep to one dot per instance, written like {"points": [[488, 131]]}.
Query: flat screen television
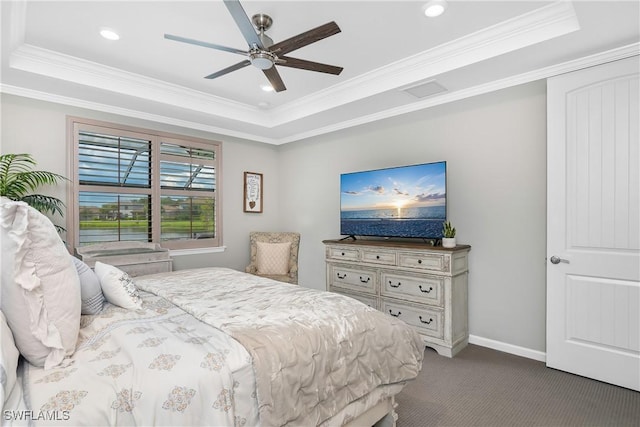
{"points": [[407, 201]]}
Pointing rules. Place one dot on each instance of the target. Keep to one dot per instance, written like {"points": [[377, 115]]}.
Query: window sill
{"points": [[196, 251]]}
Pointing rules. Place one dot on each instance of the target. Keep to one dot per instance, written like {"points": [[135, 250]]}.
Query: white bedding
{"points": [[219, 347], [154, 366], [313, 352]]}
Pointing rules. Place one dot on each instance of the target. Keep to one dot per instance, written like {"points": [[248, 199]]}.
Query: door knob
{"points": [[557, 260]]}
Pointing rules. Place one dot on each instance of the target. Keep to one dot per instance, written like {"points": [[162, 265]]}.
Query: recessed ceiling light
{"points": [[434, 8], [266, 88], [109, 34]]}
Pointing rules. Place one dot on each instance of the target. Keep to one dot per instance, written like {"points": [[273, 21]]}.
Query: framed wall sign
{"points": [[253, 192]]}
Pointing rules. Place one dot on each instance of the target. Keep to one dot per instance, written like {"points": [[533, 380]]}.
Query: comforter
{"points": [[153, 366], [313, 352], [219, 347]]}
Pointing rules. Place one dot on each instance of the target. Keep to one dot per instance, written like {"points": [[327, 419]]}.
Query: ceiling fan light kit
{"points": [[263, 53], [261, 59], [434, 8]]}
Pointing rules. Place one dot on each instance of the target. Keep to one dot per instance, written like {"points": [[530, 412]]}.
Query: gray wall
{"points": [[495, 148]]}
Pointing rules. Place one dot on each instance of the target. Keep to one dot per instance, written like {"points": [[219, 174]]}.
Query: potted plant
{"points": [[449, 235], [18, 181]]}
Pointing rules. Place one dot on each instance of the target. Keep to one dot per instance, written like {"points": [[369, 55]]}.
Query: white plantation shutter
{"points": [[134, 185], [188, 183]]}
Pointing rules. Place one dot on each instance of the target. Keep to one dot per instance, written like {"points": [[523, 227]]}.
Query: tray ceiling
{"points": [[395, 59]]}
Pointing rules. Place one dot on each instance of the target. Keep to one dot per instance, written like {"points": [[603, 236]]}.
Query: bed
{"points": [[210, 346]]}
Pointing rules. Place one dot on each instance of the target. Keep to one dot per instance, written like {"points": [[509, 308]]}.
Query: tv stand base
{"points": [[350, 236]]}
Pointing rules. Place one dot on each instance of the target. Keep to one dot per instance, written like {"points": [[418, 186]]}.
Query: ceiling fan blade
{"points": [[275, 79], [205, 44], [229, 69], [243, 22], [306, 38], [303, 64]]}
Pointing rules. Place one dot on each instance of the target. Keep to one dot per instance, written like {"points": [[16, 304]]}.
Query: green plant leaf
{"points": [[18, 181]]}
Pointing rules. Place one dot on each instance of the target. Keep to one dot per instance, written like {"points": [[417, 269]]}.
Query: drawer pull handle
{"points": [[394, 286], [342, 253], [365, 281], [396, 315], [419, 261], [424, 321], [377, 256], [427, 291], [343, 276]]}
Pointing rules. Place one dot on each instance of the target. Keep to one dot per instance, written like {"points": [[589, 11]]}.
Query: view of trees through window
{"points": [[144, 188]]}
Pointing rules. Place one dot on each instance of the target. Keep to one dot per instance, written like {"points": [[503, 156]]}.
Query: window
{"points": [[140, 185]]}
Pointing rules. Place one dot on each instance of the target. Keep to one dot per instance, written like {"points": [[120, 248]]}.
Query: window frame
{"points": [[77, 124]]}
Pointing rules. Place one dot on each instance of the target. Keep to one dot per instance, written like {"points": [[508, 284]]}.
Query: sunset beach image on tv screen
{"points": [[407, 201]]}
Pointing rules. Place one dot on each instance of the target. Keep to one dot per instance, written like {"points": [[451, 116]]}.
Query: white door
{"points": [[593, 223]]}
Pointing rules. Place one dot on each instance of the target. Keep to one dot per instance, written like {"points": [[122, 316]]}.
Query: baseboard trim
{"points": [[508, 348]]}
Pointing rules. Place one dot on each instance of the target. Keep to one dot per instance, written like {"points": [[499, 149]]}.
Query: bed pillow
{"points": [[40, 286], [91, 294], [117, 286], [9, 355], [273, 258]]}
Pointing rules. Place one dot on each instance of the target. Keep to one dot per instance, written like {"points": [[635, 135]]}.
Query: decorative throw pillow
{"points": [[40, 285], [273, 258], [90, 290], [117, 286]]}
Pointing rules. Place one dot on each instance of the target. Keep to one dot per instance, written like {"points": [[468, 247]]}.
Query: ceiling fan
{"points": [[263, 53]]}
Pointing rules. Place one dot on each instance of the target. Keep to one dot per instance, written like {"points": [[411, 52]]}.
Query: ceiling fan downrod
{"points": [[262, 23]]}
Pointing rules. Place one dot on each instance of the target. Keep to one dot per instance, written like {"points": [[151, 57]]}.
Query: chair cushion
{"points": [[273, 258], [40, 285], [117, 286]]}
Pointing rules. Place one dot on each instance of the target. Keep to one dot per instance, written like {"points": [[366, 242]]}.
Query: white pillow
{"points": [[117, 286], [9, 355], [40, 285], [273, 258], [90, 290]]}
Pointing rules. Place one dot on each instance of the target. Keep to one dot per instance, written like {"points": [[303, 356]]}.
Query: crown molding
{"points": [[545, 23], [65, 67], [536, 26], [105, 108], [542, 73], [18, 23]]}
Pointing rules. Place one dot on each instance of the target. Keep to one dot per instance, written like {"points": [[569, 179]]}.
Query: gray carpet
{"points": [[484, 387]]}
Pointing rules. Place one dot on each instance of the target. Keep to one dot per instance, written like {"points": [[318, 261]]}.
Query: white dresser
{"points": [[424, 285]]}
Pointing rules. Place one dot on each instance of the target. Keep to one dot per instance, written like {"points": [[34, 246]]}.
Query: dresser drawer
{"points": [[427, 321], [346, 254], [423, 261], [423, 288], [379, 257], [359, 279], [369, 300]]}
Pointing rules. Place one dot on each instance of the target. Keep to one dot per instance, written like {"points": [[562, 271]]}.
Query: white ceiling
{"points": [[52, 50]]}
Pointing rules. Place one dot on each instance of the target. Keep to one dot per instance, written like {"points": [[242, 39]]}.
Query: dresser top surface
{"points": [[395, 244]]}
